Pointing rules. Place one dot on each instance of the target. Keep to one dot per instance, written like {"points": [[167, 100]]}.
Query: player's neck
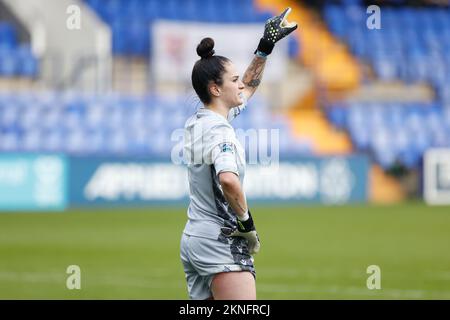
{"points": [[219, 108]]}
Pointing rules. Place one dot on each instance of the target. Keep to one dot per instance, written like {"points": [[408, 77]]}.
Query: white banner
{"points": [[174, 49], [334, 180], [436, 168]]}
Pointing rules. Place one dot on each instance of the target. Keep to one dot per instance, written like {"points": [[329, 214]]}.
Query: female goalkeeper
{"points": [[219, 238]]}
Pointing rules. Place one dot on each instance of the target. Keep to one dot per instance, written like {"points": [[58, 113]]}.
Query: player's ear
{"points": [[214, 90]]}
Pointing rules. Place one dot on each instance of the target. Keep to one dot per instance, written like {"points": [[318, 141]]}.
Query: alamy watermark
{"points": [[74, 279], [374, 280], [374, 20], [194, 146], [73, 21]]}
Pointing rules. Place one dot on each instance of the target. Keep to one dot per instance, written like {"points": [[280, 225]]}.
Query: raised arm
{"points": [[275, 29], [253, 75]]}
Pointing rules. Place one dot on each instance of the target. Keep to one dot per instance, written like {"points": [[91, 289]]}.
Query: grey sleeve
{"points": [[224, 158]]}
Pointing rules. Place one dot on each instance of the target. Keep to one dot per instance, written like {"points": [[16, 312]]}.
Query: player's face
{"points": [[232, 87]]}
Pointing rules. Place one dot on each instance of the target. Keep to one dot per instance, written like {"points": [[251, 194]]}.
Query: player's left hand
{"points": [[276, 28], [245, 229]]}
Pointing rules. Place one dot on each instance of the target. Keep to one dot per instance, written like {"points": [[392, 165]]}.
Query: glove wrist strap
{"points": [[261, 54], [265, 46], [247, 225]]}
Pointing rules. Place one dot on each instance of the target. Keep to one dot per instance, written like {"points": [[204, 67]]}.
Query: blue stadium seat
{"points": [[135, 40], [10, 118], [29, 66], [135, 9], [8, 35], [139, 37], [30, 118], [54, 140], [386, 157], [408, 47], [32, 141], [113, 124], [151, 9], [9, 142], [15, 59], [386, 68], [188, 11], [263, 16], [337, 116], [361, 137], [395, 131], [76, 142], [9, 63]]}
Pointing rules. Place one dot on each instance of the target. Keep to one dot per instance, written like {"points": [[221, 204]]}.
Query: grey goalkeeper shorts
{"points": [[202, 258]]}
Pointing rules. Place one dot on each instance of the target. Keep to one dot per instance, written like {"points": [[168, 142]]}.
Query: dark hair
{"points": [[208, 68]]}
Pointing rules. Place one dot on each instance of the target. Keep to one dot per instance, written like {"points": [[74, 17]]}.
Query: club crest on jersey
{"points": [[226, 147]]}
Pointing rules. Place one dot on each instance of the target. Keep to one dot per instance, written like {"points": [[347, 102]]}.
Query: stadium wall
{"points": [[57, 182], [33, 182]]}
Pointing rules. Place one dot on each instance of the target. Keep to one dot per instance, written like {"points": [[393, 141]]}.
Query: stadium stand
{"points": [[118, 124], [16, 59], [333, 49], [412, 46], [394, 132], [73, 54], [130, 21], [115, 125]]}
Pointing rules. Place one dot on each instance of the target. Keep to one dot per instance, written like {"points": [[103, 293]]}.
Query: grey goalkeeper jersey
{"points": [[211, 147]]}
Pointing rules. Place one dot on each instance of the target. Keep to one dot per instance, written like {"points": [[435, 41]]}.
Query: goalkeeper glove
{"points": [[245, 229], [276, 28]]}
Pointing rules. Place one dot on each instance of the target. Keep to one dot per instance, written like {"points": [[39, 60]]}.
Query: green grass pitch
{"points": [[306, 253]]}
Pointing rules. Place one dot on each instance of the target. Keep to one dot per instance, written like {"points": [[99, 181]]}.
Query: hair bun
{"points": [[206, 48]]}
